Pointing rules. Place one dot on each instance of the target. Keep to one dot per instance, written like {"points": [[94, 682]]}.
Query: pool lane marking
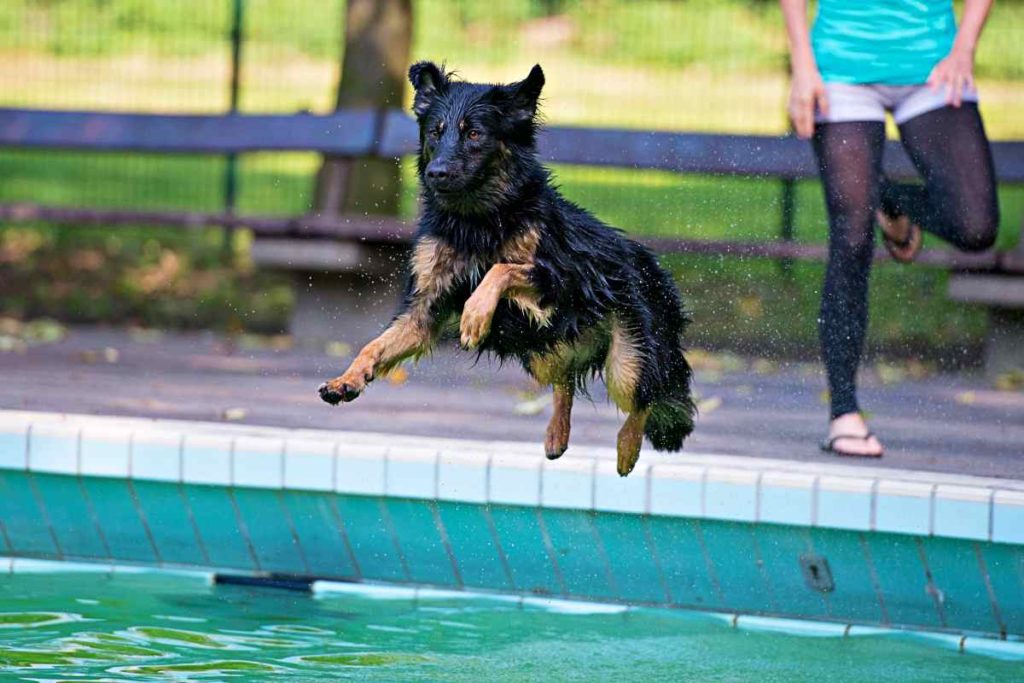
{"points": [[188, 506], [445, 541], [709, 563], [239, 520], [40, 503], [550, 548], [649, 537], [339, 524], [136, 503], [503, 558], [933, 590], [389, 524], [873, 575], [997, 613], [286, 513]]}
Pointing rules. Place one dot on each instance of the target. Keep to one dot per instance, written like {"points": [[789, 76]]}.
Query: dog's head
{"points": [[469, 131]]}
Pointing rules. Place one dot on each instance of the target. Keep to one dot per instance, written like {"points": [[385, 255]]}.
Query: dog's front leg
{"points": [[408, 335], [501, 280]]}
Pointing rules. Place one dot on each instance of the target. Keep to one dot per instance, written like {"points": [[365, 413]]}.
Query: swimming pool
{"points": [[766, 543], [158, 627]]}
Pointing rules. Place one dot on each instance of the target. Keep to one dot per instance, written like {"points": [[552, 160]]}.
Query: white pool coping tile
{"points": [[309, 464], [462, 476], [613, 493], [53, 448], [567, 483], [156, 455], [844, 503], [507, 473], [963, 512], [1008, 517], [257, 462], [731, 494], [903, 507], [361, 468], [514, 479], [14, 431], [105, 452], [411, 472], [206, 459], [786, 498]]}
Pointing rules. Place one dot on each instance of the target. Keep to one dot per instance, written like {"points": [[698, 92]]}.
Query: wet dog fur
{"points": [[522, 273]]}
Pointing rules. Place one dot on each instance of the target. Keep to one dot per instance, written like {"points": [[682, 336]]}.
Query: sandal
{"points": [[902, 238], [829, 446]]}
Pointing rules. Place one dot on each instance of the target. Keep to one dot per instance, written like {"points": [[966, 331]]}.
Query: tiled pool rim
{"points": [[771, 495]]}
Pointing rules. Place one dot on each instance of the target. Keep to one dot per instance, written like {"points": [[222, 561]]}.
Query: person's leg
{"points": [[958, 199], [849, 159]]}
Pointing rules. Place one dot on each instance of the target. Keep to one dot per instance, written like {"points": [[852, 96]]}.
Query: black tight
{"points": [[957, 202]]}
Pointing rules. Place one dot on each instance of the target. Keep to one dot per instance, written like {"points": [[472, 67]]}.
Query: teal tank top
{"points": [[893, 42]]}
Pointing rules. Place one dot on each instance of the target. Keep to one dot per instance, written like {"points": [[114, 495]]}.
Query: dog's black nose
{"points": [[437, 170]]}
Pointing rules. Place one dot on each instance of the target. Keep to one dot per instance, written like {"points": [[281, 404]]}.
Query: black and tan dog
{"points": [[527, 274]]}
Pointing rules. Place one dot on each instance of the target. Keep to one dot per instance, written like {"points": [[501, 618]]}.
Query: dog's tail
{"points": [[669, 423]]}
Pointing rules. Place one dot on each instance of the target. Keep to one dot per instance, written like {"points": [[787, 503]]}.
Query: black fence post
{"points": [[788, 203], [231, 168]]}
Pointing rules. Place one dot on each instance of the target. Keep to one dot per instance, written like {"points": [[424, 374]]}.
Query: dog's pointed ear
{"points": [[525, 93], [429, 81]]}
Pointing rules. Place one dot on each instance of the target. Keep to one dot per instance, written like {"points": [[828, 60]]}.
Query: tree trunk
{"points": [[378, 38]]}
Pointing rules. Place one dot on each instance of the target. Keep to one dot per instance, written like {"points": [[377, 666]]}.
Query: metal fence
{"points": [[694, 65]]}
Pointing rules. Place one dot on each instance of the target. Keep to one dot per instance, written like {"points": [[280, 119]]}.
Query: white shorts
{"points": [[869, 101]]}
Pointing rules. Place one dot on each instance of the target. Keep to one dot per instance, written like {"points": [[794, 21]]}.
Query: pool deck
{"points": [[944, 423]]}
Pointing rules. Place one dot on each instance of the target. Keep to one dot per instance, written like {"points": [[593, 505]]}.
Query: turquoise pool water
{"points": [[161, 627]]}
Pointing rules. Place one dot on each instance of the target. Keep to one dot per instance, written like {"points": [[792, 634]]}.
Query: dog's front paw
{"points": [[476, 320], [343, 389]]}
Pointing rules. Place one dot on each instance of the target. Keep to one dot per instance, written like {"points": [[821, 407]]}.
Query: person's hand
{"points": [[954, 74], [807, 94]]}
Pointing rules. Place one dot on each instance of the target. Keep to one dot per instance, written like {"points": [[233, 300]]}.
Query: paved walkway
{"points": [[946, 423]]}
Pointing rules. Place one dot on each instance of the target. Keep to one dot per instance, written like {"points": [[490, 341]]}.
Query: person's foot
{"points": [[901, 237], [849, 435]]}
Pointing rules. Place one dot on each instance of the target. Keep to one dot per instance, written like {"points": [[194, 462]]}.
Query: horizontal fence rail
{"points": [[361, 132], [385, 230], [365, 132]]}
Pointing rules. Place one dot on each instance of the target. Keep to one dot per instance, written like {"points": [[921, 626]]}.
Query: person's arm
{"points": [[807, 90], [956, 71]]}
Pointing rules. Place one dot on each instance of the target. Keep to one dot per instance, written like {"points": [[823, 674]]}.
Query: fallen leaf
{"points": [[43, 331], [534, 406], [234, 414], [966, 397], [144, 335], [1010, 381], [709, 405], [337, 349], [111, 355], [398, 376]]}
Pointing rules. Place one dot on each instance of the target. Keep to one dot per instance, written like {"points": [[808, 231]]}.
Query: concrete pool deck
{"points": [[944, 423]]}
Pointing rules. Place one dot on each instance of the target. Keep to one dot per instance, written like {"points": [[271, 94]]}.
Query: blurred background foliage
{"points": [[693, 65]]}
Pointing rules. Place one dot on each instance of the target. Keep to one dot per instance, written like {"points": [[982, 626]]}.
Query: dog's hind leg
{"points": [[622, 371], [631, 437], [556, 440]]}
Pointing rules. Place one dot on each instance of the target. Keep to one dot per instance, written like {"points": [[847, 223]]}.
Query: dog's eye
{"points": [[435, 133], [473, 134]]}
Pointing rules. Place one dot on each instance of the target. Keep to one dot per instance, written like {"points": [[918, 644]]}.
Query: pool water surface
{"points": [[149, 626]]}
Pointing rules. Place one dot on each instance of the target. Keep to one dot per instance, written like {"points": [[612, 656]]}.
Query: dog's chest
{"points": [[438, 268]]}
